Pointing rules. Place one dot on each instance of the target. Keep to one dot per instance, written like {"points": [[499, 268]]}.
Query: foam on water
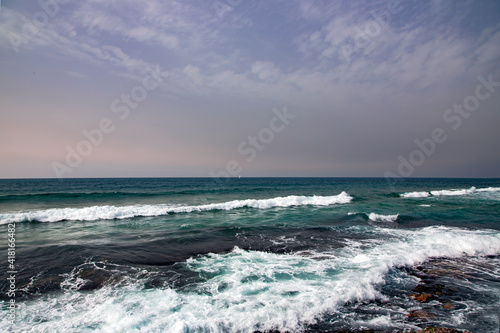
{"points": [[489, 189], [383, 218], [416, 195], [244, 291], [452, 192], [113, 212]]}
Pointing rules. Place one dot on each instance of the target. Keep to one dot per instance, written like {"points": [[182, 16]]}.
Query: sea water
{"points": [[245, 255]]}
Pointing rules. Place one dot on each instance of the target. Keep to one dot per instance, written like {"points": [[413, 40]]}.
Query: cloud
{"points": [[489, 50], [265, 71], [357, 83], [75, 74], [100, 32]]}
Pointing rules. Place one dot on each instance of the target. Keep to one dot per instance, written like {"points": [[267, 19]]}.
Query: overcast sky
{"points": [[258, 88]]}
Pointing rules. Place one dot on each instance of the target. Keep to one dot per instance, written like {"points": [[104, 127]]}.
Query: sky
{"points": [[192, 88]]}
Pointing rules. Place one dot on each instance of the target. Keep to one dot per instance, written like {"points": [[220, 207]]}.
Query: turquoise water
{"points": [[244, 255]]}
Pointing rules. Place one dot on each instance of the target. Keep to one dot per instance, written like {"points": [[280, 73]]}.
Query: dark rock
{"points": [[449, 306], [420, 314], [423, 297], [440, 330]]}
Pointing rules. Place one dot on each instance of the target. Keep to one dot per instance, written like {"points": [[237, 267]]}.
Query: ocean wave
{"points": [[247, 291], [100, 195], [64, 195], [415, 195], [113, 212], [489, 189], [451, 192], [378, 217], [383, 218]]}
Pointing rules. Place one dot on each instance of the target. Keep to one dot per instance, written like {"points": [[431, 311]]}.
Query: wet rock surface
{"points": [[445, 290], [446, 293]]}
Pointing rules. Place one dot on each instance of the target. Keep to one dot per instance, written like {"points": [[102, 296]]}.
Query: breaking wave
{"points": [[113, 212], [245, 291], [452, 192], [383, 218]]}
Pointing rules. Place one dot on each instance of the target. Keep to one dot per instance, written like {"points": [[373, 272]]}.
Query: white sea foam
{"points": [[489, 189], [244, 291], [415, 195], [383, 218], [454, 192], [113, 212]]}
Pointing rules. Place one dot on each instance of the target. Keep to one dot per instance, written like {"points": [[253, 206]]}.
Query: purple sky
{"points": [[258, 88]]}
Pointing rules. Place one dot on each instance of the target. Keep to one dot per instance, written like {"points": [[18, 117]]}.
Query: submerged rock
{"points": [[423, 297], [421, 314], [449, 306], [440, 330]]}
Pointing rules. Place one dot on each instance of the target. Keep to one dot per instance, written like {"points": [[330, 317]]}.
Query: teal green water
{"points": [[243, 255]]}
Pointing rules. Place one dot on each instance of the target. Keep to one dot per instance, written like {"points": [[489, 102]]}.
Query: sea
{"points": [[249, 255]]}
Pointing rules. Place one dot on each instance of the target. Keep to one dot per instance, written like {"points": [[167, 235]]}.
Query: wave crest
{"points": [[383, 218], [452, 192], [112, 212], [416, 195]]}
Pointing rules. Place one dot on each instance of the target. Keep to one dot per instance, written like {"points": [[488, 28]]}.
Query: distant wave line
{"points": [[452, 192]]}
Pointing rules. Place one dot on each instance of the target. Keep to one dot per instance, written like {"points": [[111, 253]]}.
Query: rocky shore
{"points": [[444, 290]]}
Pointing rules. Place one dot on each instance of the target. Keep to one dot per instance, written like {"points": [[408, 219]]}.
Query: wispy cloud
{"points": [[262, 55], [75, 74]]}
